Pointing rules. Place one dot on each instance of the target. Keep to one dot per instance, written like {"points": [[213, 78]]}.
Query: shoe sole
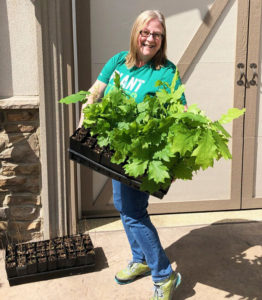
{"points": [[122, 282], [178, 280]]}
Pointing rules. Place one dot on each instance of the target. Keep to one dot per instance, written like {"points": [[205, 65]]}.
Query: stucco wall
{"points": [[18, 56]]}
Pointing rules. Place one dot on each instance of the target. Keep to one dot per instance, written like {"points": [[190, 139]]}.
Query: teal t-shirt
{"points": [[137, 82]]}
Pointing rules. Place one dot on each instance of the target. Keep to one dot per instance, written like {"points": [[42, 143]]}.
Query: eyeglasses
{"points": [[155, 35]]}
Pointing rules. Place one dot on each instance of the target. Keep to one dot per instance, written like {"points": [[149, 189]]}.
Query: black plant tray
{"points": [[61, 256], [98, 159]]}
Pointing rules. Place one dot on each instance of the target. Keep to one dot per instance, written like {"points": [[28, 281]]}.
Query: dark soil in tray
{"points": [[106, 161], [81, 134], [61, 253]]}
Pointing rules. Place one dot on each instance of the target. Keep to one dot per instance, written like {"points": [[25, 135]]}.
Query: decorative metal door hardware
{"points": [[242, 75], [253, 66]]}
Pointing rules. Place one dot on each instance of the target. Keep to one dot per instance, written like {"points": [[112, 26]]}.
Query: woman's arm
{"points": [[96, 92]]}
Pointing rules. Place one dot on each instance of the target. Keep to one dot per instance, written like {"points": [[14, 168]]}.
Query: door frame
{"points": [[251, 104], [55, 65]]}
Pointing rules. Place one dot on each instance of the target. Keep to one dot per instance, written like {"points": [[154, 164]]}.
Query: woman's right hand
{"points": [[90, 100], [81, 120], [96, 92]]}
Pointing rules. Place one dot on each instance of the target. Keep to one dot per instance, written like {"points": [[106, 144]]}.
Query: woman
{"points": [[139, 69]]}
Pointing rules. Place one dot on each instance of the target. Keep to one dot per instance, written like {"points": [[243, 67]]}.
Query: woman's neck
{"points": [[140, 63]]}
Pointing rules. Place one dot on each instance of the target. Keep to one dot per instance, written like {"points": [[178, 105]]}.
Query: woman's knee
{"points": [[135, 217], [129, 200]]}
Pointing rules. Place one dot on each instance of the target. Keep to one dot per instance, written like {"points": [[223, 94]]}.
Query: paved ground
{"points": [[222, 260]]}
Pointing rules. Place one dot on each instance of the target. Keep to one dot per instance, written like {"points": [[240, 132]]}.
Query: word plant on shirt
{"points": [[128, 82], [156, 139]]}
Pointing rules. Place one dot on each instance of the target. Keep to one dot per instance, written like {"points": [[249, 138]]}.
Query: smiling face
{"points": [[148, 46]]}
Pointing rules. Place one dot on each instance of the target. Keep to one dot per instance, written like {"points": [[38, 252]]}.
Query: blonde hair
{"points": [[160, 58]]}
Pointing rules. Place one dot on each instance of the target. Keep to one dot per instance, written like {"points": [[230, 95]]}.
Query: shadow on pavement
{"points": [[100, 259], [227, 257]]}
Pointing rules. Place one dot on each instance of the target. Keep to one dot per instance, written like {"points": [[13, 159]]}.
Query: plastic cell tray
{"points": [[29, 262], [108, 169]]}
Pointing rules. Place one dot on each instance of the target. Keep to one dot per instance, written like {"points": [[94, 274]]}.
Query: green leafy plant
{"points": [[157, 140], [74, 98]]}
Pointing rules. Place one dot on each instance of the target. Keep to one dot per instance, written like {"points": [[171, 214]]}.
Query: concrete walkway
{"points": [[218, 254]]}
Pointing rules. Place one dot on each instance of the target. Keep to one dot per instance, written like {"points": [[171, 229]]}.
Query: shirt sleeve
{"points": [[110, 67]]}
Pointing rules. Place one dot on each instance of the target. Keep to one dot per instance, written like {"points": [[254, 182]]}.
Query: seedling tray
{"points": [[61, 256], [89, 154]]}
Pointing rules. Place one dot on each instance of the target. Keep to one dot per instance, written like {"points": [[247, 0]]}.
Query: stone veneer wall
{"points": [[20, 174]]}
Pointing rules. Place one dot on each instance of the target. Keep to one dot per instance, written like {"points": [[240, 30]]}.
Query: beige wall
{"points": [[18, 59]]}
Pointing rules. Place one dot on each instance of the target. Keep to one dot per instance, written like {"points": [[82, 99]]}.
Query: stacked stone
{"points": [[19, 174]]}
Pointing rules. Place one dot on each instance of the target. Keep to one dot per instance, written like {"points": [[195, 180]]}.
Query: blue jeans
{"points": [[141, 233]]}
